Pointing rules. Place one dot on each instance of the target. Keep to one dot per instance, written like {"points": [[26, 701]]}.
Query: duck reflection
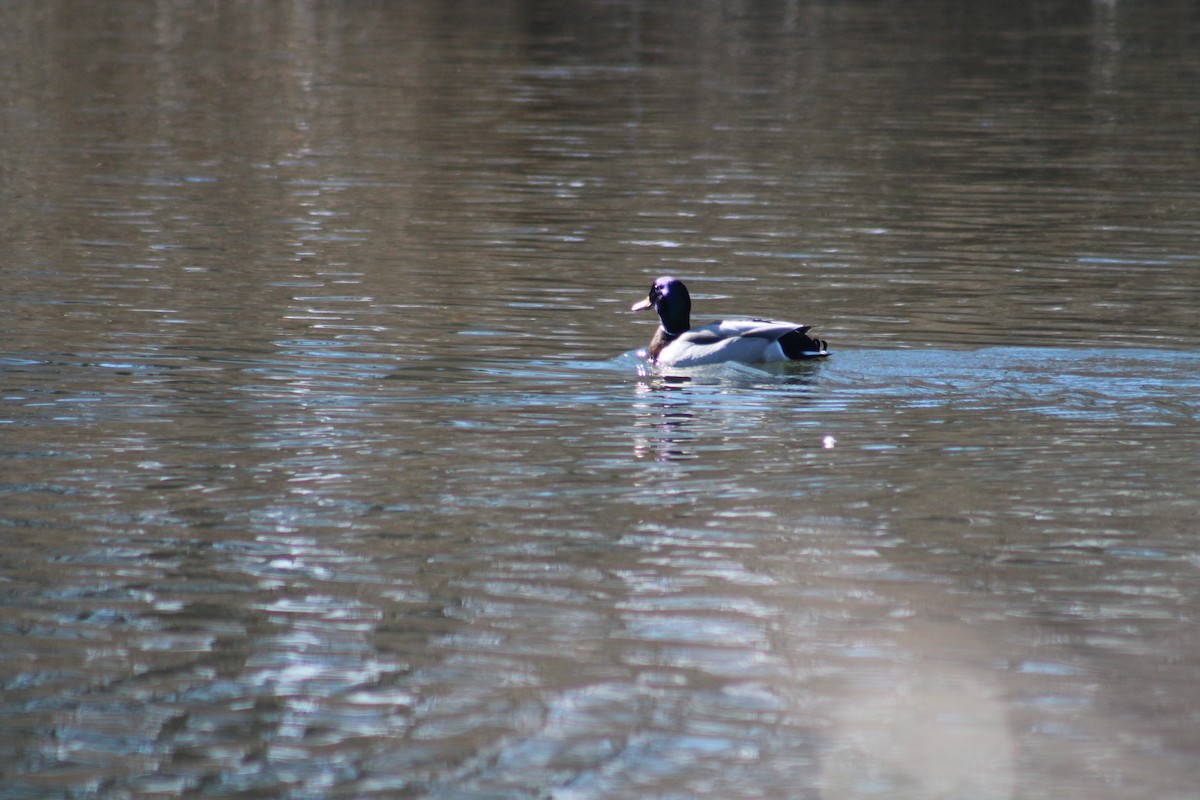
{"points": [[664, 428], [719, 406]]}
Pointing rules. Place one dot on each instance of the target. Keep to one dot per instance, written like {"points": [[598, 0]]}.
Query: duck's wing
{"points": [[754, 328], [790, 340]]}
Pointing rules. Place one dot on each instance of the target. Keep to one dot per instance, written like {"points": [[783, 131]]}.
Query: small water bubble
{"points": [[828, 442]]}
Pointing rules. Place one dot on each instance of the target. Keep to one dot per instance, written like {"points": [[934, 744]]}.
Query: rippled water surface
{"points": [[330, 467]]}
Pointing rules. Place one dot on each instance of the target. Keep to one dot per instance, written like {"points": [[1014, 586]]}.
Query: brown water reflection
{"points": [[329, 469]]}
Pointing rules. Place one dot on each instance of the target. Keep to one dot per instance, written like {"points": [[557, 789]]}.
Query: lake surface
{"points": [[330, 467]]}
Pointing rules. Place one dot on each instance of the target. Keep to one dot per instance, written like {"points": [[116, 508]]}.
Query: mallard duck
{"points": [[747, 341]]}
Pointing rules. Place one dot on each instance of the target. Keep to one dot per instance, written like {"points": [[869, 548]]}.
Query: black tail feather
{"points": [[797, 345]]}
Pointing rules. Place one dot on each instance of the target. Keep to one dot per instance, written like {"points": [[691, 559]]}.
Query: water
{"points": [[330, 469]]}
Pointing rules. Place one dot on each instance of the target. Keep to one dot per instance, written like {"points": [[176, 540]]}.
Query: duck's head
{"points": [[669, 297]]}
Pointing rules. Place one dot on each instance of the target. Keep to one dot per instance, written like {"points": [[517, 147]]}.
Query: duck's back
{"points": [[747, 341]]}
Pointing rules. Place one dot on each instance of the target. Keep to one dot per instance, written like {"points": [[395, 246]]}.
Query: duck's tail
{"points": [[798, 344]]}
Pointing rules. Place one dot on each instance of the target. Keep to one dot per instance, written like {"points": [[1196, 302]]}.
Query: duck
{"points": [[745, 341]]}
